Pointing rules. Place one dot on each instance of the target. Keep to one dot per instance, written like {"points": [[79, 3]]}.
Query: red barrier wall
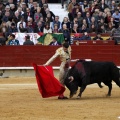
{"points": [[21, 56]]}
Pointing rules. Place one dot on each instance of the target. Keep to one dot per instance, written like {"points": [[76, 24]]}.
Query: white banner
{"points": [[21, 37]]}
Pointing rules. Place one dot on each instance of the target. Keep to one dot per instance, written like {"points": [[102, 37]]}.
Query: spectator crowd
{"points": [[34, 16]]}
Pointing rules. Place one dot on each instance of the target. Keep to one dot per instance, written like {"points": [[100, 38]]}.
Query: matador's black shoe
{"points": [[63, 97]]}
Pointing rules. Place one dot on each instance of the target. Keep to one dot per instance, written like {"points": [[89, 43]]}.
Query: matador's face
{"points": [[65, 49]]}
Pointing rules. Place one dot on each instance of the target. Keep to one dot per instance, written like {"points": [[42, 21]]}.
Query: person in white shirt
{"points": [[47, 29]]}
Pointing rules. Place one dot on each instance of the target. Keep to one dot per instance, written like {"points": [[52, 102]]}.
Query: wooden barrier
{"points": [[24, 56], [94, 42]]}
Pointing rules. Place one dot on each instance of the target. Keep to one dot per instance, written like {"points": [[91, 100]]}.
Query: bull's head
{"points": [[71, 85]]}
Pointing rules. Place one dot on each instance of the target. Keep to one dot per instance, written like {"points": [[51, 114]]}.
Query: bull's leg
{"points": [[109, 88], [81, 90], [99, 84], [117, 82]]}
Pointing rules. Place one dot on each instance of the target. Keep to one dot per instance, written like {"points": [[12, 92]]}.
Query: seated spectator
{"points": [[2, 39], [55, 29], [98, 37], [93, 29], [12, 40], [21, 29], [66, 21], [51, 15], [29, 27], [102, 5], [56, 21], [75, 29], [47, 29], [116, 16], [28, 41], [6, 16], [79, 18], [76, 36], [3, 28], [109, 28], [22, 21], [83, 29], [12, 29], [39, 27], [85, 36], [75, 21], [110, 38], [38, 14], [54, 42]]}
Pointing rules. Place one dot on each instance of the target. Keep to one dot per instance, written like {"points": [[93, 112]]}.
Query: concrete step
{"points": [[57, 10]]}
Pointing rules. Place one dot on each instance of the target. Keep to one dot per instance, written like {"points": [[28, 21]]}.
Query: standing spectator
{"points": [[85, 7], [70, 8], [66, 33], [12, 40], [62, 3], [28, 41]]}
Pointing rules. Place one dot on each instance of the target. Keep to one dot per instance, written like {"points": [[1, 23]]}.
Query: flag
{"points": [[48, 85], [47, 38]]}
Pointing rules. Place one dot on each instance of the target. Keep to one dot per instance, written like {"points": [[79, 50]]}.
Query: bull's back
{"points": [[100, 71]]}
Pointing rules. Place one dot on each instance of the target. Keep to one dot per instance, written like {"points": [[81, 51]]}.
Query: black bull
{"points": [[84, 73]]}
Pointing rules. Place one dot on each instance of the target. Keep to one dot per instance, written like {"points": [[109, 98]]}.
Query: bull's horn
{"points": [[71, 78]]}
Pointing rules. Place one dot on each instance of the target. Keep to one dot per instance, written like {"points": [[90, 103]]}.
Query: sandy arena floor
{"points": [[21, 100]]}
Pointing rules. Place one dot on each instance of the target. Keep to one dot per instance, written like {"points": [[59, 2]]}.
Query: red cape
{"points": [[48, 85]]}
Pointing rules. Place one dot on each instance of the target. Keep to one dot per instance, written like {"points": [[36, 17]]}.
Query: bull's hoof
{"points": [[108, 95], [101, 86], [72, 93], [71, 96], [78, 97]]}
